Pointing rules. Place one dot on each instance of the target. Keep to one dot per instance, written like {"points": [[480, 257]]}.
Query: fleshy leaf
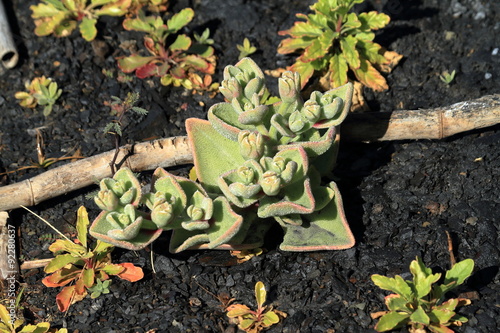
{"points": [[392, 320], [213, 154]]}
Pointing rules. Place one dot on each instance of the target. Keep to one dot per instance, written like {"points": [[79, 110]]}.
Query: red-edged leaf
{"points": [[302, 29], [148, 70], [338, 70], [199, 64], [61, 277], [131, 273], [306, 71], [370, 77], [178, 73], [237, 310], [131, 63], [373, 20]]}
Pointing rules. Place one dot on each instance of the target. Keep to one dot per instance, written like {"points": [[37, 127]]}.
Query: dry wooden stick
{"points": [[397, 125], [72, 176], [435, 123]]}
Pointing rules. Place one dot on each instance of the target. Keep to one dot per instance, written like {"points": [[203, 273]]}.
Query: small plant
{"points": [[335, 41], [61, 17], [76, 263], [420, 303], [254, 160], [100, 288], [155, 6], [246, 49], [9, 324], [447, 77], [255, 321], [173, 57], [40, 91], [119, 108]]}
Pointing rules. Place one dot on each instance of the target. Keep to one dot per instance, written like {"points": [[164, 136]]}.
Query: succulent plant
{"points": [[254, 161]]}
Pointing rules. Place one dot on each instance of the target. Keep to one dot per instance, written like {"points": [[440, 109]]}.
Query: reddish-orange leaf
{"points": [[131, 273], [63, 299]]}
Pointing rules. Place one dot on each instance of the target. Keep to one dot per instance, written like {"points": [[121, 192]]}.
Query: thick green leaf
{"points": [[100, 228], [44, 10], [392, 320], [270, 318], [324, 230], [213, 154]]}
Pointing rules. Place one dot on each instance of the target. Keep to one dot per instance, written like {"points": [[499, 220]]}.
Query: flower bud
{"points": [[251, 145], [270, 183]]}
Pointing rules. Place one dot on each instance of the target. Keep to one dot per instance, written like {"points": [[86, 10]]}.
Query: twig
{"points": [[38, 263], [453, 261], [397, 125]]}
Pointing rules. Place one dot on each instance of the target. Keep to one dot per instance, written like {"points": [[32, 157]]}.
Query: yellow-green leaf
{"points": [[270, 318], [179, 20], [88, 277], [88, 29], [182, 42], [4, 315], [82, 224], [59, 262], [373, 20], [237, 310], [338, 70], [260, 293], [348, 46], [370, 77]]}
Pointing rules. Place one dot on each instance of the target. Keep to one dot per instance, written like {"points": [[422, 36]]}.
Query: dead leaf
{"points": [[393, 59]]}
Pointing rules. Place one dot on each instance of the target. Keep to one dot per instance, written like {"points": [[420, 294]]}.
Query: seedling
{"points": [[40, 91], [447, 77], [100, 288], [254, 160], [336, 41], [155, 6], [173, 57], [13, 325], [120, 108], [255, 321], [61, 17], [420, 303], [246, 49], [81, 267]]}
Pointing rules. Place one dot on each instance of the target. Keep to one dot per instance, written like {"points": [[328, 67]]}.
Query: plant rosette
{"points": [[255, 161], [76, 263]]}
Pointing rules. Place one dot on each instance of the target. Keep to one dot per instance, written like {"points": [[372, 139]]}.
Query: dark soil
{"points": [[399, 197]]}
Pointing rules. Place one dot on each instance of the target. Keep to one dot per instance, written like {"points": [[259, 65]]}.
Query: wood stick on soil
{"points": [[397, 125]]}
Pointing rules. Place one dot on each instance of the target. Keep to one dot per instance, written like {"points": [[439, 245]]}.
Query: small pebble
{"points": [[487, 76], [495, 51]]}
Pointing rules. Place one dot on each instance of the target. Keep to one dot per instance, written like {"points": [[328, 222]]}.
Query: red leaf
{"points": [[63, 299], [147, 70], [131, 273]]}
